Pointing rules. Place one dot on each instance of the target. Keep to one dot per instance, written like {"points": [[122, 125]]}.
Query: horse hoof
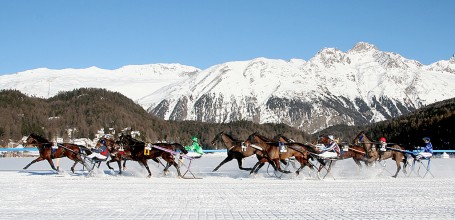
{"points": [[72, 170]]}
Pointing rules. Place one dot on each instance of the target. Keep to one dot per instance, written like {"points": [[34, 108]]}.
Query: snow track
{"points": [[228, 194]]}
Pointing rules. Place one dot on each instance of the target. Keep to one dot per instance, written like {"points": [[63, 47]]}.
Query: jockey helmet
{"points": [[194, 138], [103, 142], [426, 139], [382, 139], [331, 137]]}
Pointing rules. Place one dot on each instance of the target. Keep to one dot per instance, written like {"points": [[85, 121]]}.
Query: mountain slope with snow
{"points": [[132, 81], [359, 86]]}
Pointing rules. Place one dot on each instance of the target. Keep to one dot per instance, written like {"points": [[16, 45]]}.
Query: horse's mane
{"points": [[39, 138], [265, 139], [128, 137], [277, 138], [230, 137]]}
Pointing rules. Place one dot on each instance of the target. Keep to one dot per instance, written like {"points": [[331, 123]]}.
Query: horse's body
{"points": [[373, 153], [301, 152], [134, 150], [357, 153], [234, 150], [268, 151], [72, 151]]}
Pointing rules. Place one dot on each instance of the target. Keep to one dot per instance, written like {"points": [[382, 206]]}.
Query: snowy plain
{"points": [[229, 193]]}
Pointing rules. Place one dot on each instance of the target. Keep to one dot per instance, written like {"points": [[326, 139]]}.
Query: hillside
{"points": [[435, 121], [88, 110]]}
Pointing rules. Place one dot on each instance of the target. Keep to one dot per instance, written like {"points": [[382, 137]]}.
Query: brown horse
{"points": [[267, 150], [135, 149], [357, 153], [235, 150], [72, 151], [115, 153], [302, 152], [374, 154]]}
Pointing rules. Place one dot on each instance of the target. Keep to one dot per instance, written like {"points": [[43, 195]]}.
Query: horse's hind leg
{"points": [[74, 165], [52, 164], [176, 167], [398, 168], [34, 161], [240, 162], [223, 162]]}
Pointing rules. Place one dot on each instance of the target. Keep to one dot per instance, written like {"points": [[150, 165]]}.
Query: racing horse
{"points": [[235, 150], [395, 152], [268, 150], [72, 151], [135, 149], [115, 153], [302, 152]]}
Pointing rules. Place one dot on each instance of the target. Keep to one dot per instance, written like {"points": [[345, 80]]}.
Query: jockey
{"points": [[332, 150], [427, 150], [101, 152], [382, 146], [195, 147]]}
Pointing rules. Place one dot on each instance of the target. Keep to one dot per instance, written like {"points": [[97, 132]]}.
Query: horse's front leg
{"points": [[229, 158], [33, 161], [144, 162]]}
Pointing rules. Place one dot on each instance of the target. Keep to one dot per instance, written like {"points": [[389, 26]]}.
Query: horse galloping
{"points": [[302, 152], [374, 153], [135, 149], [72, 151], [235, 150]]}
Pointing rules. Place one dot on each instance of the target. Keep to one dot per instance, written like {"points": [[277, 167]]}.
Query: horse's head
{"points": [[36, 140], [216, 138], [179, 147]]}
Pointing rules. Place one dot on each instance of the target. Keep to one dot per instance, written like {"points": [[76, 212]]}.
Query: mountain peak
{"points": [[452, 59], [363, 46]]}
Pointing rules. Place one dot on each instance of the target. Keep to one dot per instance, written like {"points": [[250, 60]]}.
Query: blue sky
{"points": [[110, 34]]}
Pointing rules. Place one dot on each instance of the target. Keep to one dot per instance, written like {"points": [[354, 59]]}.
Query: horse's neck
{"points": [[227, 141]]}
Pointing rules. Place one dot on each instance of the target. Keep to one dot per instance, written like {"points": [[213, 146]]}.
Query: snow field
{"points": [[230, 193]]}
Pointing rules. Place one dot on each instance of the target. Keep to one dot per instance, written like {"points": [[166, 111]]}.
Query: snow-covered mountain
{"points": [[133, 81], [359, 86]]}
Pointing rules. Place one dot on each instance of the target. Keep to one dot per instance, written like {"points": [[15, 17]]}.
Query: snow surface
{"points": [[39, 193]]}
